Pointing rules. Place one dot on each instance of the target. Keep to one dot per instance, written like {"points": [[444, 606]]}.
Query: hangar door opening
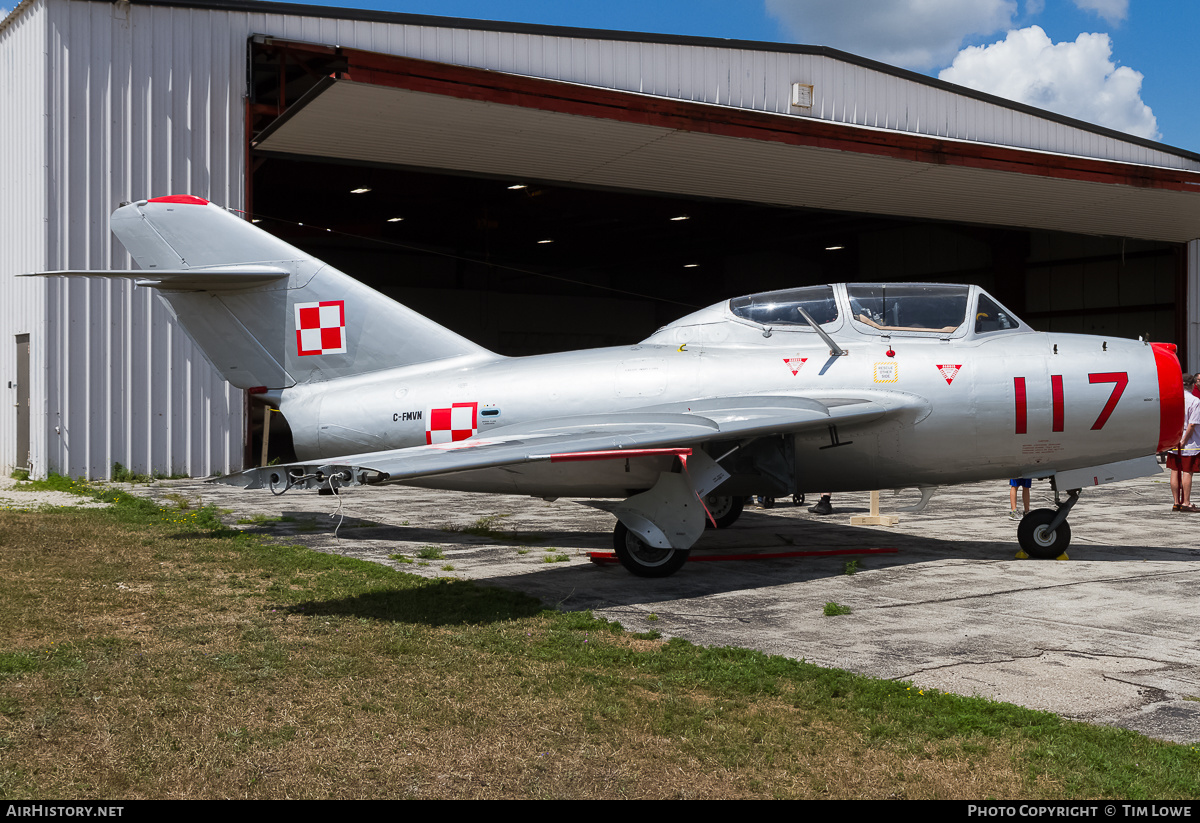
{"points": [[526, 267]]}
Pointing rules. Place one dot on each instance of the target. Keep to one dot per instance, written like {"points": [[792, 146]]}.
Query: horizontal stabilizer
{"points": [[212, 278]]}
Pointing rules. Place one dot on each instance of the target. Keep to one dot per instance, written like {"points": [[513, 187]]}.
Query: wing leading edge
{"points": [[649, 431]]}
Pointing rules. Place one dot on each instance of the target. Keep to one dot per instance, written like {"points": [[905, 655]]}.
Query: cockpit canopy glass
{"points": [[908, 308], [989, 317], [781, 308]]}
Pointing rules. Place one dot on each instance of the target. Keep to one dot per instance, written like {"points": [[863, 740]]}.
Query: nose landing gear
{"points": [[1045, 533]]}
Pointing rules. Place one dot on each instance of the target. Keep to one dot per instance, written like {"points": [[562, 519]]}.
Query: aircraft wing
{"points": [[645, 432]]}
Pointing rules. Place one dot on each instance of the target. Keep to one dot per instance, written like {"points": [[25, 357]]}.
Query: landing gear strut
{"points": [[1045, 533]]}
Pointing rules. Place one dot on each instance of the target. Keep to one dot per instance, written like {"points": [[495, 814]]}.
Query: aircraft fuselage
{"points": [[1023, 404]]}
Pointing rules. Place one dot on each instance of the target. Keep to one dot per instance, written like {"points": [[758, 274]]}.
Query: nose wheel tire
{"points": [[1037, 540], [643, 560]]}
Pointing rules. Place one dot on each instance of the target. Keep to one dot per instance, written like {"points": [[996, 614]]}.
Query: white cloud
{"points": [[1076, 79], [1112, 12], [916, 34]]}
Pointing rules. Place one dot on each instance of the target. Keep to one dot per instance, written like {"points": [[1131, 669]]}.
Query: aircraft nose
{"points": [[1170, 395]]}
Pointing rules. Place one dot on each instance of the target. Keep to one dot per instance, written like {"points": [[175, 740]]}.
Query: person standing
{"points": [[1185, 458], [1022, 483]]}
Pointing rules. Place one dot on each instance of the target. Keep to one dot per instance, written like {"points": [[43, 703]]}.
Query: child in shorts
{"points": [[1022, 483]]}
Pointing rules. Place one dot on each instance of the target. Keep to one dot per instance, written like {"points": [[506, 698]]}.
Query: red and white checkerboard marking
{"points": [[321, 327], [458, 422]]}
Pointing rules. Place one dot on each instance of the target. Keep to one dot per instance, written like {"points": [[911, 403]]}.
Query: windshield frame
{"points": [[775, 308], [1017, 324]]}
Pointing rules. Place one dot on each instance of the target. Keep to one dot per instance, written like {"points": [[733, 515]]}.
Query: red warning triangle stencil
{"points": [[794, 363], [949, 372]]}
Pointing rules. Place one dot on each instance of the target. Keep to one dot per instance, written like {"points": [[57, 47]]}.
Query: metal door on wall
{"points": [[22, 454]]}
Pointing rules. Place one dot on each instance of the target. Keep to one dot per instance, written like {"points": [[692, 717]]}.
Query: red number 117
{"points": [[1119, 379]]}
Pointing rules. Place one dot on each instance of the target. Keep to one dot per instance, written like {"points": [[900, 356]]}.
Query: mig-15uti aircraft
{"points": [[835, 388]]}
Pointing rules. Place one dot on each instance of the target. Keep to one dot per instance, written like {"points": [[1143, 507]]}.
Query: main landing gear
{"points": [[725, 510], [1045, 533], [643, 560]]}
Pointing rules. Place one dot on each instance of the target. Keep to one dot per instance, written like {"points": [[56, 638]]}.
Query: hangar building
{"points": [[534, 188]]}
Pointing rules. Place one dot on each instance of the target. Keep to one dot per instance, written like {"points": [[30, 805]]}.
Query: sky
{"points": [[1124, 64]]}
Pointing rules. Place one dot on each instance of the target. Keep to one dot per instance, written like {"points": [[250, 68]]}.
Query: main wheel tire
{"points": [[1037, 541], [724, 508], [766, 502], [643, 560], [798, 499]]}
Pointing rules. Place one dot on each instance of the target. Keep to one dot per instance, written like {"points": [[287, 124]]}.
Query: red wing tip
{"points": [[189, 199]]}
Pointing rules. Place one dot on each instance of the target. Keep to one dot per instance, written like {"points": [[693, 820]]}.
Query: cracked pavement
{"points": [[1107, 637]]}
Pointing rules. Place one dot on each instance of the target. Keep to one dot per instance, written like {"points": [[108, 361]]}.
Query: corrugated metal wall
{"points": [[141, 101], [23, 139], [132, 102], [103, 102]]}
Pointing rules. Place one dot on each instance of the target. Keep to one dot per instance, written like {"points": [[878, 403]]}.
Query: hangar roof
{"points": [[860, 98], [417, 113]]}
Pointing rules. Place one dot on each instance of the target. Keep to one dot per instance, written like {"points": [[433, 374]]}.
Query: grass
{"points": [[53, 483], [148, 651], [833, 609], [257, 519], [120, 474]]}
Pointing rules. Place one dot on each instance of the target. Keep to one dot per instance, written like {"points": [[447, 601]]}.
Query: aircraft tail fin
{"points": [[264, 312]]}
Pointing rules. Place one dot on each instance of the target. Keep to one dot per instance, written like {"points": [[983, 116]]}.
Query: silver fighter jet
{"points": [[834, 388]]}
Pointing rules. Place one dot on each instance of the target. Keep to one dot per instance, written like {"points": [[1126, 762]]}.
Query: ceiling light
{"points": [[394, 219], [516, 186], [680, 217], [545, 241], [361, 190], [690, 265], [834, 248]]}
